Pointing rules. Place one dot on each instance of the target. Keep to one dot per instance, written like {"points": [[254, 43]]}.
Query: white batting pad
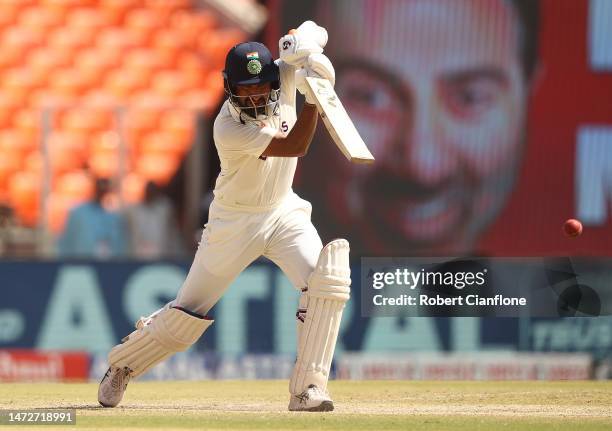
{"points": [[327, 293], [157, 337]]}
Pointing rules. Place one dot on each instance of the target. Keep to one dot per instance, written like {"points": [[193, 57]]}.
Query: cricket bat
{"points": [[337, 121]]}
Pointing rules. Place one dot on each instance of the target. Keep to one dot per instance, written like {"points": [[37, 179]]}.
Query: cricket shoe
{"points": [[312, 399], [113, 386]]}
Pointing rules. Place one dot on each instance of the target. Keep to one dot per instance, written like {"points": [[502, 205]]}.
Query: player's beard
{"points": [[254, 112], [253, 108]]}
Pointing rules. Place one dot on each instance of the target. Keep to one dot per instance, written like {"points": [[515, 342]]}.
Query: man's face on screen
{"points": [[436, 89]]}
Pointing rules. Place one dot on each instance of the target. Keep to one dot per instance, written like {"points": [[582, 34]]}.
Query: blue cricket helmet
{"points": [[250, 63]]}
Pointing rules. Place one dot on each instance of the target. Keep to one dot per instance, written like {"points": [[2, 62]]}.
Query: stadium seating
{"points": [[98, 68]]}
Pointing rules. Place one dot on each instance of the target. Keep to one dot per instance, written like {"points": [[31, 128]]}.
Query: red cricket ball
{"points": [[572, 228]]}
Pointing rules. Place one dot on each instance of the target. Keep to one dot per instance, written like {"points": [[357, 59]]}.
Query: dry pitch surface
{"points": [[261, 405]]}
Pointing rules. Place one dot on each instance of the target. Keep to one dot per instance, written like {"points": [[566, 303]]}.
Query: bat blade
{"points": [[337, 121]]}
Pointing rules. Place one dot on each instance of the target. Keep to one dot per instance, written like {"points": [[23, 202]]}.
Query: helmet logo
{"points": [[254, 65]]}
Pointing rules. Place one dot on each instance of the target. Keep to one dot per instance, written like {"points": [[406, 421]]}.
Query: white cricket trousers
{"points": [[233, 239]]}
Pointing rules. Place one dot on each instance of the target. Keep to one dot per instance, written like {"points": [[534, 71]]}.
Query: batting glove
{"points": [[302, 87], [322, 67], [307, 39]]}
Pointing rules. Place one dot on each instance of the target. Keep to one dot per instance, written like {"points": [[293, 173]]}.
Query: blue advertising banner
{"points": [[92, 305]]}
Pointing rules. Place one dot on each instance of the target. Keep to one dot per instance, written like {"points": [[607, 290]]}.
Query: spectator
{"points": [[92, 231], [152, 226]]}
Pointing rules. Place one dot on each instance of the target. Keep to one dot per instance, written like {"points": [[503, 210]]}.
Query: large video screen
{"points": [[490, 121]]}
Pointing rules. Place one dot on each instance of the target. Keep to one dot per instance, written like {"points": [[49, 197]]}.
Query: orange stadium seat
{"points": [[10, 163], [99, 57], [22, 81], [151, 99], [11, 56], [133, 139], [137, 123], [105, 159], [6, 117], [8, 14], [104, 165], [171, 4], [58, 208], [113, 15], [201, 100], [70, 81], [164, 144], [132, 188], [214, 83], [87, 120], [24, 196], [75, 186], [124, 82], [93, 77], [215, 45], [89, 18], [105, 143], [102, 99], [68, 3], [74, 143], [169, 82], [72, 38], [193, 25], [157, 167], [23, 38], [117, 38], [34, 162], [169, 40], [13, 99], [195, 79], [41, 17], [120, 4], [141, 37], [45, 59], [46, 98], [28, 122], [19, 3], [149, 18], [142, 119], [149, 58], [63, 159], [17, 141], [180, 123]]}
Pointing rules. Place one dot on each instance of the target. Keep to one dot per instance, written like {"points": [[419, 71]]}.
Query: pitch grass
{"points": [[371, 405]]}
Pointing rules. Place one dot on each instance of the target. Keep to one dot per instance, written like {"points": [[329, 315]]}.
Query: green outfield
{"points": [[388, 405]]}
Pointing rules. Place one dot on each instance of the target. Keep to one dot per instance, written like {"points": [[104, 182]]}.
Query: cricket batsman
{"points": [[256, 213]]}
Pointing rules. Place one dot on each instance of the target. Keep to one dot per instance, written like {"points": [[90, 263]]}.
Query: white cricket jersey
{"points": [[247, 181]]}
